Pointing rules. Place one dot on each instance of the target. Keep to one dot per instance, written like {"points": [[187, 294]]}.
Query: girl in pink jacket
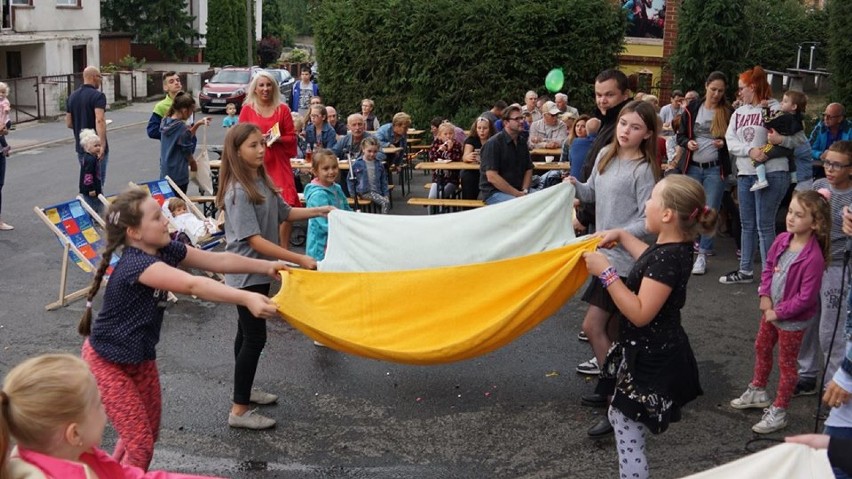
{"points": [[789, 297]]}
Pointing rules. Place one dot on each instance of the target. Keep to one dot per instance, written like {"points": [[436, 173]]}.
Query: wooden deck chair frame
{"points": [[67, 247]]}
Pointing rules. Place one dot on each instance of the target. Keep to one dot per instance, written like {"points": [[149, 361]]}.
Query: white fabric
{"points": [[787, 460], [526, 225]]}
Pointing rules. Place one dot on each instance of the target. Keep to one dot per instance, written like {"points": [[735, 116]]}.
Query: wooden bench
{"points": [[208, 203], [453, 204]]}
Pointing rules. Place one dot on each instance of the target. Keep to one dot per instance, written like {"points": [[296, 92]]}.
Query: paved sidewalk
{"points": [[36, 134]]}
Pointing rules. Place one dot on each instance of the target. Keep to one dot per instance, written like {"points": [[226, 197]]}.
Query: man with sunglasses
{"points": [[833, 127], [505, 169]]}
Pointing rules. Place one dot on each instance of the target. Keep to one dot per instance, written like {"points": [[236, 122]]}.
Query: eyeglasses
{"points": [[830, 165], [517, 118], [830, 117]]}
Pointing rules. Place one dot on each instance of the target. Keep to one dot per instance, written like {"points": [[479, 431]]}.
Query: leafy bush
{"points": [[840, 50], [268, 51], [441, 57]]}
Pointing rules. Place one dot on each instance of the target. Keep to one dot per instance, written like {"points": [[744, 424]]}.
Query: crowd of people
{"points": [[649, 181]]}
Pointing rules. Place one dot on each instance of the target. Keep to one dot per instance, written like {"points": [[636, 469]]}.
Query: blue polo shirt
{"points": [[127, 329], [81, 105]]}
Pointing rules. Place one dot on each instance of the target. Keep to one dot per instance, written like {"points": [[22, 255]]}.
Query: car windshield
{"points": [[276, 74], [231, 76]]}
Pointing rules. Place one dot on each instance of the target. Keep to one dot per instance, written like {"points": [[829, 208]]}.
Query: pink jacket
{"points": [[26, 464], [801, 291]]}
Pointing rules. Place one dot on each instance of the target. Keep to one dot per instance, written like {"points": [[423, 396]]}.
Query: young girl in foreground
{"points": [[323, 191], [789, 297], [651, 371], [121, 343], [253, 212], [619, 184], [51, 406]]}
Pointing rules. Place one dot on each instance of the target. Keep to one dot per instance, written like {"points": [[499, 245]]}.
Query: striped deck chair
{"points": [[73, 223], [164, 190]]}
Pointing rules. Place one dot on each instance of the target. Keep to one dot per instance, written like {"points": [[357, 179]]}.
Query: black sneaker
{"points": [[737, 277], [582, 336], [594, 400], [805, 388]]}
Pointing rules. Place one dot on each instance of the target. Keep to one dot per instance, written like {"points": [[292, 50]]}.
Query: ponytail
{"points": [[182, 100], [85, 325]]}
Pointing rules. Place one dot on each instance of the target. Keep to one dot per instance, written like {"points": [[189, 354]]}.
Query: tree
{"points": [[455, 59], [226, 32], [712, 35], [163, 23], [840, 50]]}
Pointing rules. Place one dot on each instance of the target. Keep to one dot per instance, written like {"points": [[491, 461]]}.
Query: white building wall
{"points": [[45, 17], [46, 36]]}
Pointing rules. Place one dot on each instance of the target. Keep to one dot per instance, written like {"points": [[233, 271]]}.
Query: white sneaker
{"points": [[589, 367], [759, 185], [752, 398], [5, 226], [263, 398], [774, 419], [700, 265], [319, 344], [250, 420]]}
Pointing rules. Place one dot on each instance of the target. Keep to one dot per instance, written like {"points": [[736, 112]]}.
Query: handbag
{"points": [[202, 175]]}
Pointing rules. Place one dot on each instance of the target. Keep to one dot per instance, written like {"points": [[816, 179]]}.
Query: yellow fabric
{"points": [[432, 316]]}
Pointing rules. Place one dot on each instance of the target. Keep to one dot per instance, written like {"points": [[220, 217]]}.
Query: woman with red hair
{"points": [[746, 136]]}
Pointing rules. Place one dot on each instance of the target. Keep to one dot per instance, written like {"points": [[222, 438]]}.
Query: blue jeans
{"points": [[842, 432], [757, 214], [714, 186], [498, 197], [102, 163]]}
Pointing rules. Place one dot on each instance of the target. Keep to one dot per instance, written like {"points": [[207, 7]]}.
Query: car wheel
{"points": [[204, 109]]}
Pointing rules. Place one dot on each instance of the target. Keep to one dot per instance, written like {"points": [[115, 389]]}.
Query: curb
{"points": [[71, 139]]}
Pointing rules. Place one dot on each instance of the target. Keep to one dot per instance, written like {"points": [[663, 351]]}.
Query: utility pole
{"points": [[248, 33]]}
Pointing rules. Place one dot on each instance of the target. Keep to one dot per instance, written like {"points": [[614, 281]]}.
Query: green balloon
{"points": [[554, 80]]}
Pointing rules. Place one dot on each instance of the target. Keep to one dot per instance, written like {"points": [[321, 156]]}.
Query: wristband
{"points": [[608, 276]]}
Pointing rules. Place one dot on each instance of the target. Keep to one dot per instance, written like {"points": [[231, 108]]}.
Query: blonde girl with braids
{"points": [[120, 345], [650, 372], [50, 405]]}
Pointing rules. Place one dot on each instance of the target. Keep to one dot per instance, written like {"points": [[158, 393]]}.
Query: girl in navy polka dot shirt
{"points": [[121, 342]]}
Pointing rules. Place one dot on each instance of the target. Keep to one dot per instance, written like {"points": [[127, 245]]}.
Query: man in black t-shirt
{"points": [[86, 108], [505, 169]]}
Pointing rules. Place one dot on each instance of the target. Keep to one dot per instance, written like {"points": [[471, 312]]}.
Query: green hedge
{"points": [[455, 59], [840, 51]]}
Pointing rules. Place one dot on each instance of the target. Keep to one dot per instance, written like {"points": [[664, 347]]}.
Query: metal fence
{"points": [[24, 97]]}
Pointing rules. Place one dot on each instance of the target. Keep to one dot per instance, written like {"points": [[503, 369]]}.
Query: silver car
{"points": [[285, 81]]}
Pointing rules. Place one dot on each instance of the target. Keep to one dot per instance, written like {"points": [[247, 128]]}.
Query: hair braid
{"points": [[124, 212], [85, 326]]}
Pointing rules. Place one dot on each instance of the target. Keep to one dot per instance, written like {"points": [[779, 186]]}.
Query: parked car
{"points": [[228, 85], [285, 82]]}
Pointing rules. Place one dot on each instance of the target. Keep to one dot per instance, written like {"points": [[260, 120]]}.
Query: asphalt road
{"points": [[512, 413]]}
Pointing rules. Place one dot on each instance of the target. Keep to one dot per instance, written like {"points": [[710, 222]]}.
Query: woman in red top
{"points": [[264, 108]]}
